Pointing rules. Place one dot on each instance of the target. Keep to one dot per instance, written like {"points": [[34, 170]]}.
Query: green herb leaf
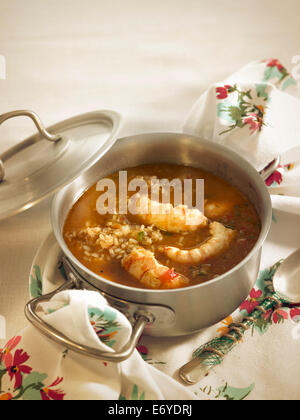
{"points": [[141, 236]]}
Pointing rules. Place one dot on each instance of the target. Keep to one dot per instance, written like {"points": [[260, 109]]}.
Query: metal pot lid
{"points": [[52, 158]]}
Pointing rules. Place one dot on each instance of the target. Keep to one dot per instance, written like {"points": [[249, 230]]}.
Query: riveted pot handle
{"points": [[57, 336], [268, 170]]}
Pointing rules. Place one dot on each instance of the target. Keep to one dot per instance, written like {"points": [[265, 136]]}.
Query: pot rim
{"points": [[247, 168]]}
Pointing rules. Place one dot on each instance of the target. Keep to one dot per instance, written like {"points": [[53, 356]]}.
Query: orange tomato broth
{"points": [[239, 215]]}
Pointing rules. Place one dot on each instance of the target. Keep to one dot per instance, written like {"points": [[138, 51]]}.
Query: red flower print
{"points": [[142, 349], [254, 121], [251, 303], [222, 92], [274, 63], [53, 394], [276, 316], [268, 314], [276, 177], [17, 367], [5, 353], [294, 313]]}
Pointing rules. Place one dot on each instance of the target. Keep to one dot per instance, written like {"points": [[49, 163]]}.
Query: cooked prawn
{"points": [[169, 218], [219, 241], [142, 265], [216, 209]]}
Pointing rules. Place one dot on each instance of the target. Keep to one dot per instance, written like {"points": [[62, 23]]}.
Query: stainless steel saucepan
{"points": [[163, 313]]}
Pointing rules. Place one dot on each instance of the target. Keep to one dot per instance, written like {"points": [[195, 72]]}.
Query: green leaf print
{"points": [[134, 395], [272, 73], [290, 81], [32, 385], [261, 325], [104, 324], [222, 111], [36, 282], [235, 113], [235, 394], [227, 392], [261, 91], [265, 279]]}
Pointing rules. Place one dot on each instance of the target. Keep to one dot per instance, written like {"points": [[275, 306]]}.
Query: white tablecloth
{"points": [[149, 61]]}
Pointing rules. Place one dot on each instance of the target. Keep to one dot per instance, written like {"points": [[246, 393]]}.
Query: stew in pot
{"points": [[167, 245]]}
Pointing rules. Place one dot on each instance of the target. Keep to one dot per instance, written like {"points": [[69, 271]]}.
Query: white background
{"points": [[149, 60]]}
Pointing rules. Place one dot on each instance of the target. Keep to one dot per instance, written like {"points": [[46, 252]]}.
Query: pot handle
{"points": [[40, 127], [268, 170], [31, 314]]}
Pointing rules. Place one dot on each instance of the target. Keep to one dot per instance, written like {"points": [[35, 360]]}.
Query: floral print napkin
{"points": [[32, 367], [255, 112]]}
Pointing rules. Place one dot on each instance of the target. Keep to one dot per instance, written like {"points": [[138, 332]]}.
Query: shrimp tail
{"points": [[143, 266], [219, 242]]}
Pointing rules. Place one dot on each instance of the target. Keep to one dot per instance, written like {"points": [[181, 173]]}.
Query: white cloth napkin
{"points": [[33, 367], [255, 112]]}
